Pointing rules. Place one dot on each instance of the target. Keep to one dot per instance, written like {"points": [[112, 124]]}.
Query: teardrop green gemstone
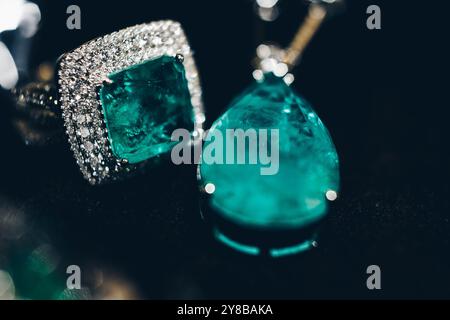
{"points": [[308, 163]]}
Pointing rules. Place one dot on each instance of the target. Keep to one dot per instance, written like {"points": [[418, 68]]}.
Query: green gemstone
{"points": [[308, 162], [143, 105]]}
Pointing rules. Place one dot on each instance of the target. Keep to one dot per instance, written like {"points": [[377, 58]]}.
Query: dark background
{"points": [[383, 96]]}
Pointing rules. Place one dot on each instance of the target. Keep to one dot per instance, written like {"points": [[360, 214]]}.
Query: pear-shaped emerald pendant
{"points": [[294, 196]]}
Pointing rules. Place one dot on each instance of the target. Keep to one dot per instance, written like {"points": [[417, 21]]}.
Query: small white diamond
{"points": [[210, 188], [88, 146], [196, 100], [156, 41], [81, 118], [142, 43], [258, 75], [170, 52], [331, 195], [84, 132], [280, 69], [94, 161], [185, 49], [288, 78]]}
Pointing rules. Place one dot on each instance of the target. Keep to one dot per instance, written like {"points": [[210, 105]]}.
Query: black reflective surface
{"points": [[381, 95]]}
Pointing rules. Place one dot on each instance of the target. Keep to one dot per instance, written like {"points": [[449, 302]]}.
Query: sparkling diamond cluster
{"points": [[83, 70]]}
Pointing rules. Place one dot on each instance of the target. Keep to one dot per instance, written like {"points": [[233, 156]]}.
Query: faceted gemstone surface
{"points": [[143, 105], [308, 162]]}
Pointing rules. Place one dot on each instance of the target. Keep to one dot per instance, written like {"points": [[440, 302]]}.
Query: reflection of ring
{"points": [[121, 96]]}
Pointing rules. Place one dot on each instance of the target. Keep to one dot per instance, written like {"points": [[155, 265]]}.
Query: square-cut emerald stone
{"points": [[142, 106]]}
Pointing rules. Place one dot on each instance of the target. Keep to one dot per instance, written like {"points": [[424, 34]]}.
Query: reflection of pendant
{"points": [[271, 214]]}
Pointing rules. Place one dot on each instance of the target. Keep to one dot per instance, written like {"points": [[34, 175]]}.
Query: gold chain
{"points": [[312, 22]]}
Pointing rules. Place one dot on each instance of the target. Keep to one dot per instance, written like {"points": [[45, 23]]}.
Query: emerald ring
{"points": [[121, 96]]}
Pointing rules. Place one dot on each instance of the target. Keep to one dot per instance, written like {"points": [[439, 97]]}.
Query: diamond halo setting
{"points": [[81, 73]]}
